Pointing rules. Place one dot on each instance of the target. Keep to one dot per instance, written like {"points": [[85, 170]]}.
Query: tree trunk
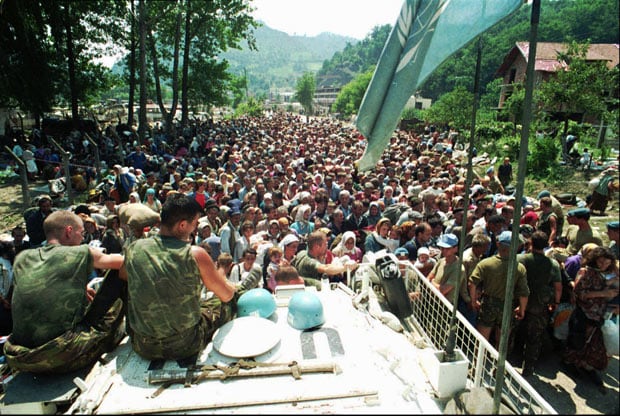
{"points": [[142, 28], [75, 114], [185, 71], [158, 96], [132, 67]]}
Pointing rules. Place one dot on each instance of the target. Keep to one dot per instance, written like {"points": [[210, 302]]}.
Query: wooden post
{"points": [[97, 157], [23, 174], [65, 163]]}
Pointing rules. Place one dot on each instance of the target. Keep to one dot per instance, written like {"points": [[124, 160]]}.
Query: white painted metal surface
{"points": [[378, 372]]}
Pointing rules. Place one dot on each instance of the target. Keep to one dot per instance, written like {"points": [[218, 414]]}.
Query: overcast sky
{"points": [[354, 18]]}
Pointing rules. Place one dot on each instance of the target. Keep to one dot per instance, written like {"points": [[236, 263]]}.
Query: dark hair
{"points": [[82, 209], [496, 219], [7, 249], [539, 240], [179, 207], [434, 221], [286, 274], [420, 228], [561, 240]]}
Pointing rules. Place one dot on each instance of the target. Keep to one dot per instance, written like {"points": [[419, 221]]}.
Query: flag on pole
{"points": [[426, 34]]}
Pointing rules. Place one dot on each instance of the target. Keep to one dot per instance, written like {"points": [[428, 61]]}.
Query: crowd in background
{"points": [[278, 190]]}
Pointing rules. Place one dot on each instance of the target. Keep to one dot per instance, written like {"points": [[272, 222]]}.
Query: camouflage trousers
{"points": [[535, 323], [74, 349], [213, 314]]}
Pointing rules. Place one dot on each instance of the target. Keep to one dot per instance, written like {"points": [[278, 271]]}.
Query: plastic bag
{"points": [[560, 320], [610, 337]]}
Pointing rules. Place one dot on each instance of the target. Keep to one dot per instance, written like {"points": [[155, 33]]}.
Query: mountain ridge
{"points": [[282, 58]]}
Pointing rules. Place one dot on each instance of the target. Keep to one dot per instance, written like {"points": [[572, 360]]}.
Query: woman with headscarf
{"points": [[134, 198], [289, 245], [585, 347], [151, 201], [302, 225], [273, 232], [380, 238], [347, 247], [373, 215], [113, 236]]}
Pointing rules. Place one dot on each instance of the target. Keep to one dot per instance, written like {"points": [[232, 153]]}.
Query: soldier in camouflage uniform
{"points": [[490, 274], [55, 329], [545, 283], [165, 276]]}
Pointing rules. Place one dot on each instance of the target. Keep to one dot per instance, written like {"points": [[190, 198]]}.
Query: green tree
{"points": [[49, 48], [350, 97], [513, 107], [582, 88], [304, 92], [252, 107], [452, 109], [184, 39]]}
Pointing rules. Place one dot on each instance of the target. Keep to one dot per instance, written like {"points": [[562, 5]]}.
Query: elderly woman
{"points": [[373, 215], [585, 348], [302, 225]]}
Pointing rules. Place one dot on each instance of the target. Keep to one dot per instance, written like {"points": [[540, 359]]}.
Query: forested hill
{"points": [[281, 58]]}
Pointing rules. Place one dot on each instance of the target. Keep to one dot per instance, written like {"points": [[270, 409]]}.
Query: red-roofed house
{"points": [[514, 66]]}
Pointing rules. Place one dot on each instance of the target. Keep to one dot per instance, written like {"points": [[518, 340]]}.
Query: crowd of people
{"points": [[256, 202]]}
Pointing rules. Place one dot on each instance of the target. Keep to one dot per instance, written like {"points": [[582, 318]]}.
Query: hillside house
{"points": [[514, 66]]}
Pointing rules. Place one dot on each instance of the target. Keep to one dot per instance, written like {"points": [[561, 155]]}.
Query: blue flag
{"points": [[426, 34]]}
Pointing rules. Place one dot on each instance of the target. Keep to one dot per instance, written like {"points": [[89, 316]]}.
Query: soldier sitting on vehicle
{"points": [[67, 333]]}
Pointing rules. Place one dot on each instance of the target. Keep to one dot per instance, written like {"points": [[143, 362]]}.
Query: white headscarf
{"points": [[341, 248], [288, 239], [301, 210]]}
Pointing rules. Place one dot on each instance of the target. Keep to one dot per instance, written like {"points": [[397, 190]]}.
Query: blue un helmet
{"points": [[305, 311], [256, 302]]}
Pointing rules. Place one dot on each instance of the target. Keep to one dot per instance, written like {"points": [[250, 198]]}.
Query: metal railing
{"points": [[431, 315]]}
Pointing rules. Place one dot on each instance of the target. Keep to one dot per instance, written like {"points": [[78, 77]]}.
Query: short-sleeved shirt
{"points": [[307, 266], [577, 238], [448, 274], [491, 273]]}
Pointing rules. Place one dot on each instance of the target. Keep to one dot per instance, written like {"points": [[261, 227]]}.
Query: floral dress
{"points": [[585, 346]]}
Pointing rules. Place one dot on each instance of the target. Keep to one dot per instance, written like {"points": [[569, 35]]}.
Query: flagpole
{"points": [[512, 261], [449, 355]]}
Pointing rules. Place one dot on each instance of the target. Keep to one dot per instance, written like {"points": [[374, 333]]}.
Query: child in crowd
{"points": [[275, 256], [425, 262]]}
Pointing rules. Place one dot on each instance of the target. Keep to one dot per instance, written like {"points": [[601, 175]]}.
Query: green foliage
{"points": [[280, 58], [412, 113], [354, 59], [252, 107], [452, 109], [350, 97], [582, 88], [304, 91], [238, 88], [542, 154], [595, 20], [513, 106]]}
